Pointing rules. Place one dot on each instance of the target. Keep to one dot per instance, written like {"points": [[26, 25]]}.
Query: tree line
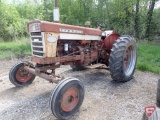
{"points": [[134, 17]]}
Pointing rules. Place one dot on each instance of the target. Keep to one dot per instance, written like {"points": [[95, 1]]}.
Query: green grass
{"points": [[149, 57], [11, 49]]}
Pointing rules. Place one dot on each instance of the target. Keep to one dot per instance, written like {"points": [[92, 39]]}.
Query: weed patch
{"points": [[14, 49], [149, 57]]}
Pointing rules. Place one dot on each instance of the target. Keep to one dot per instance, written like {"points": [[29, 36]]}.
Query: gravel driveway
{"points": [[104, 99]]}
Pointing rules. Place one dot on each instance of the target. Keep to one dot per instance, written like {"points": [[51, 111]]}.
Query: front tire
{"points": [[123, 59], [20, 77], [66, 98]]}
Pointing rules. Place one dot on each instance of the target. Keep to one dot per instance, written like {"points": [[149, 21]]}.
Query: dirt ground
{"points": [[104, 99]]}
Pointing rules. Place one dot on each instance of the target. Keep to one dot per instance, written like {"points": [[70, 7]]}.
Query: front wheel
{"points": [[66, 98], [19, 77], [123, 59]]}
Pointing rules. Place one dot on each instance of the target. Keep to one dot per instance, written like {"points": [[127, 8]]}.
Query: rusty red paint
{"points": [[127, 57], [56, 59], [55, 27], [51, 78], [70, 99], [22, 75], [64, 58], [109, 41]]}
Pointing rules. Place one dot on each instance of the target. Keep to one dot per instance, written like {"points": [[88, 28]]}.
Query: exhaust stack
{"points": [[56, 12]]}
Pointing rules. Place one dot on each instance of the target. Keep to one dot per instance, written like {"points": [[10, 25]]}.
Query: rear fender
{"points": [[109, 41]]}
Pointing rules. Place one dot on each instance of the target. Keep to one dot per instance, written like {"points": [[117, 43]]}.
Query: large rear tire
{"points": [[66, 98], [123, 59], [20, 77]]}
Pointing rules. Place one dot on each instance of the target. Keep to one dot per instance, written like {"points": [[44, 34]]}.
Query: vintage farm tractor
{"points": [[55, 44]]}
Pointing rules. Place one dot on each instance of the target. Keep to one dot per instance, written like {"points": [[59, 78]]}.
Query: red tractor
{"points": [[55, 44]]}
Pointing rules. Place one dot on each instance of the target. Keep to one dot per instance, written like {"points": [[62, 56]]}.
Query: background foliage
{"points": [[133, 17]]}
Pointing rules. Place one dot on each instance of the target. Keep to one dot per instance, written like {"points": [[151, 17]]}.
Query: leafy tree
{"points": [[149, 18], [132, 17], [137, 28]]}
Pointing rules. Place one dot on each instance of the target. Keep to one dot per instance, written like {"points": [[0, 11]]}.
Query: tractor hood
{"points": [[44, 26]]}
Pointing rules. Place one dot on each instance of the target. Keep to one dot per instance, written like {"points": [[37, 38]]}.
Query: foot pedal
{"points": [[96, 66]]}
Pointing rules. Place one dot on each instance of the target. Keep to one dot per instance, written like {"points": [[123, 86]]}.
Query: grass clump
{"points": [[13, 49], [149, 57]]}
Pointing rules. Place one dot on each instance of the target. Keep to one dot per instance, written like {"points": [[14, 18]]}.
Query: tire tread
{"points": [[116, 59]]}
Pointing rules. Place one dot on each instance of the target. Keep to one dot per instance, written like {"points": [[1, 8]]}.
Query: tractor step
{"points": [[99, 65]]}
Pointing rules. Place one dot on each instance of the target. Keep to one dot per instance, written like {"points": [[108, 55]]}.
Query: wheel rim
{"points": [[22, 75], [129, 60], [70, 99]]}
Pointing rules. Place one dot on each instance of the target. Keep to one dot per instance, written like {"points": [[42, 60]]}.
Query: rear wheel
{"points": [[66, 98], [123, 59], [18, 76]]}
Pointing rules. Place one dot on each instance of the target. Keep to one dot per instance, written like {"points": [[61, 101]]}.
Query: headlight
{"points": [[104, 34], [34, 27]]}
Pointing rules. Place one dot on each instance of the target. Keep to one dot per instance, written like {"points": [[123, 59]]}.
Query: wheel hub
{"points": [[70, 99], [126, 59], [22, 75], [129, 60]]}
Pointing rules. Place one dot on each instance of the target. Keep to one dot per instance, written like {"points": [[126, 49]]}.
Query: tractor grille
{"points": [[37, 43]]}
